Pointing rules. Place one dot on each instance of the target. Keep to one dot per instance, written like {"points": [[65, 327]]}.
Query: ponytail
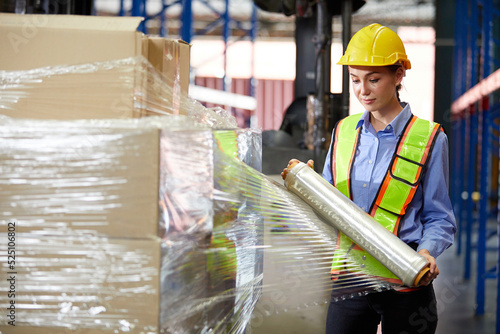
{"points": [[394, 69], [398, 88]]}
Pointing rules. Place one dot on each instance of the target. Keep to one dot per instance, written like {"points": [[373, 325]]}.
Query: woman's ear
{"points": [[400, 74]]}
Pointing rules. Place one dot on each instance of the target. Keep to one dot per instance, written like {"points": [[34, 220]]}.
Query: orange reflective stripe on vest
{"points": [[405, 170]]}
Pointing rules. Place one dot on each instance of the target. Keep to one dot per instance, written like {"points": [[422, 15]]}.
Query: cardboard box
{"points": [[98, 279], [71, 90], [89, 279], [61, 178], [81, 285], [129, 178], [170, 57], [34, 41]]}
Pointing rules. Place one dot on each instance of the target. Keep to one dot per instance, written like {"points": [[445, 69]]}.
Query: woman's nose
{"points": [[364, 89]]}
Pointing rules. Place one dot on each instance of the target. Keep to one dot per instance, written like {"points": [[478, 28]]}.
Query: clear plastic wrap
{"points": [[129, 208], [100, 177], [124, 88], [345, 215], [143, 183], [298, 246], [72, 283]]}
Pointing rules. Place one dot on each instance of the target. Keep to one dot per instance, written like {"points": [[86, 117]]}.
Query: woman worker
{"points": [[394, 166]]}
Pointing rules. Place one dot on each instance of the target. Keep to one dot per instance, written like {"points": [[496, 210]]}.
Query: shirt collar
{"points": [[397, 124]]}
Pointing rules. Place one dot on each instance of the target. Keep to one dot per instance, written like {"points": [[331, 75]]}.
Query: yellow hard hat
{"points": [[375, 45]]}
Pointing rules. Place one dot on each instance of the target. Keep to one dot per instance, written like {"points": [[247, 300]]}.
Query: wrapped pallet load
{"points": [[107, 215], [128, 207]]}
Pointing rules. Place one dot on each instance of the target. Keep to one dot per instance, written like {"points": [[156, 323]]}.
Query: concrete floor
{"points": [[456, 303], [457, 298]]}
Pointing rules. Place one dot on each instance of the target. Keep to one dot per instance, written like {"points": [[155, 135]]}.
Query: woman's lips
{"points": [[370, 101]]}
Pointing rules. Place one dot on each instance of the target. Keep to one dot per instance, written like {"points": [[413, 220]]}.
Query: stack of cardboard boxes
{"points": [[108, 220], [105, 214], [73, 63]]}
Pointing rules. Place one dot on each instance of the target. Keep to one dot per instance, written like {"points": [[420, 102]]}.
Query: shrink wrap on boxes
{"points": [[127, 207], [112, 222], [58, 58]]}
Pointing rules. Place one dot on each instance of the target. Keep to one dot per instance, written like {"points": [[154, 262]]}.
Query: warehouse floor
{"points": [[456, 300]]}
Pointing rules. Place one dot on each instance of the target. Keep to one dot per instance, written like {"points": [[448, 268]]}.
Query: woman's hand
{"points": [[433, 269], [292, 164]]}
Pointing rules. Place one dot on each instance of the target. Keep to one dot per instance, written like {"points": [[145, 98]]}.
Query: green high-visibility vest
{"points": [[394, 195], [222, 263]]}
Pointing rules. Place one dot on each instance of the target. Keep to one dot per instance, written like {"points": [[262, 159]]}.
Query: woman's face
{"points": [[375, 86]]}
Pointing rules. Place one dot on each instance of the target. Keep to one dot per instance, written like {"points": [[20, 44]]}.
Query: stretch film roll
{"points": [[347, 217]]}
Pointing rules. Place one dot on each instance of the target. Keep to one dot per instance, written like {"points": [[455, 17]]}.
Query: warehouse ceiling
{"points": [[397, 12], [392, 13]]}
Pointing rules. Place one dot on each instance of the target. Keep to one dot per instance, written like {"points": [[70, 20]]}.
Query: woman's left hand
{"points": [[291, 164], [433, 269]]}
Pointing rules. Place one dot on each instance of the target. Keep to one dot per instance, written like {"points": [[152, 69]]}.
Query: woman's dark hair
{"points": [[393, 69]]}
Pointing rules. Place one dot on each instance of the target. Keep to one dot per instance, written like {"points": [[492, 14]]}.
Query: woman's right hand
{"points": [[292, 164]]}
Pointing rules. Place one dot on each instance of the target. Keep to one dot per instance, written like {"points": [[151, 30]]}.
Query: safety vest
{"points": [[222, 264], [395, 193]]}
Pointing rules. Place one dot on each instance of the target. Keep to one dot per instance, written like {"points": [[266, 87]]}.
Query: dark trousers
{"points": [[413, 312]]}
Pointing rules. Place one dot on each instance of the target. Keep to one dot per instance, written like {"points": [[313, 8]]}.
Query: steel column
{"points": [[484, 172], [226, 81], [457, 170], [471, 79], [139, 9], [122, 8], [484, 175], [346, 36], [187, 21], [471, 187], [498, 274], [253, 35], [460, 123]]}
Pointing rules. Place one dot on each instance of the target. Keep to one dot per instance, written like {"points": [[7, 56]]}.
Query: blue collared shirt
{"points": [[429, 219]]}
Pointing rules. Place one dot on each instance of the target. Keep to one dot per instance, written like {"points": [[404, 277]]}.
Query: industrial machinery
{"points": [[310, 118]]}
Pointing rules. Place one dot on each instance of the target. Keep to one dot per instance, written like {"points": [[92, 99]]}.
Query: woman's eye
{"points": [[373, 80], [355, 81]]}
